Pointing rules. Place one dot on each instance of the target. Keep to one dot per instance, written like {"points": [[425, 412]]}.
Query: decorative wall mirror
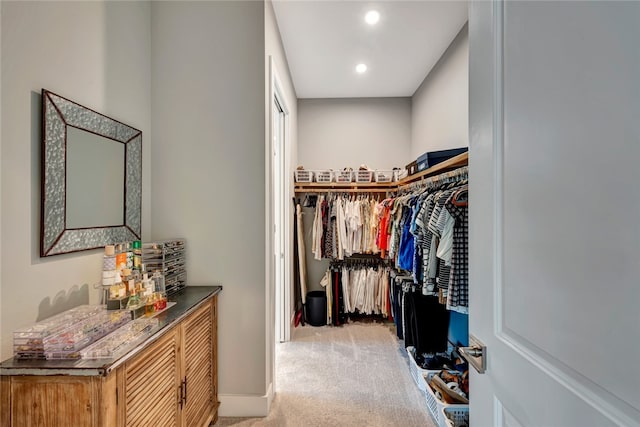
{"points": [[91, 178]]}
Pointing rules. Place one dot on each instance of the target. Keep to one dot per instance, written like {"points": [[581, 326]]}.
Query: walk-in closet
{"points": [[380, 195]]}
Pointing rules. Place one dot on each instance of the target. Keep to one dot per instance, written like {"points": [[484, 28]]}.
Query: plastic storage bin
{"points": [[303, 176], [456, 416], [323, 176], [436, 405], [128, 336], [316, 308], [344, 176], [67, 343], [28, 343], [384, 176], [364, 176], [417, 372], [400, 174]]}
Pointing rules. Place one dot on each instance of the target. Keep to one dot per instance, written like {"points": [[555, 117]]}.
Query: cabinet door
{"points": [[50, 401], [199, 369], [151, 385]]}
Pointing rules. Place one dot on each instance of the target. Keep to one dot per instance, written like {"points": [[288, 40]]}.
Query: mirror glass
{"points": [[95, 180], [91, 178]]}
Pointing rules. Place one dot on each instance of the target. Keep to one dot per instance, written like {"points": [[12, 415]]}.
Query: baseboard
{"points": [[245, 405]]}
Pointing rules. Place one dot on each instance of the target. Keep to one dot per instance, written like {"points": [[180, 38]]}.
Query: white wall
{"points": [[336, 133], [440, 106], [208, 101], [95, 53]]}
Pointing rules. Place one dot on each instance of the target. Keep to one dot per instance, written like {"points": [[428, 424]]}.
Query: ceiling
{"points": [[325, 40]]}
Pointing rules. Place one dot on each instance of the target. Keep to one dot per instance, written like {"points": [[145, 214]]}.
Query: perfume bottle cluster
{"points": [[127, 284]]}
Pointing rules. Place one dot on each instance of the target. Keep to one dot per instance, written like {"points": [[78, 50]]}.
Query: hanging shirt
{"points": [[458, 295], [405, 253]]}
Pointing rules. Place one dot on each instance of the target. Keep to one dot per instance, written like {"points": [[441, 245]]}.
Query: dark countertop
{"points": [[186, 300]]}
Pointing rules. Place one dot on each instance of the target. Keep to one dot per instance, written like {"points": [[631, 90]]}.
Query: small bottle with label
{"points": [[150, 306], [134, 300], [121, 257], [128, 248], [137, 255], [159, 291]]}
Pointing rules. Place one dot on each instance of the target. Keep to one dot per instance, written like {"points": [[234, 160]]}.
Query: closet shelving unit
{"points": [[382, 187]]}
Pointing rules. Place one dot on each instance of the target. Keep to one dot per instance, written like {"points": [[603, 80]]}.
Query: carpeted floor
{"points": [[353, 375]]}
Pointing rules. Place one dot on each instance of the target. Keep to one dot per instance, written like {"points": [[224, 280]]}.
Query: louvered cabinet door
{"points": [[198, 334], [151, 385]]}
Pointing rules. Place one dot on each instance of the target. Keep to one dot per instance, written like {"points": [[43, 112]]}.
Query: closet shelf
{"points": [[453, 163], [366, 187], [337, 187]]}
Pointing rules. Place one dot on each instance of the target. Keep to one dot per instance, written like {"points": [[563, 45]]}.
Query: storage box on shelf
{"points": [[456, 416], [303, 176], [412, 168], [436, 405], [28, 343], [167, 256], [432, 158], [344, 176], [384, 176], [323, 176]]}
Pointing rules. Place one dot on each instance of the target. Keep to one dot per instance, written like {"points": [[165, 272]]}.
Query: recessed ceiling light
{"points": [[372, 17], [361, 68]]}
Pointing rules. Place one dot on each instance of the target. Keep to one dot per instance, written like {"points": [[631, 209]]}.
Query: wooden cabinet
{"points": [[170, 382]]}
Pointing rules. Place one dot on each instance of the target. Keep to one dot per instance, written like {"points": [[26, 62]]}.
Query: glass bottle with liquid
{"points": [[137, 255], [160, 292], [121, 257]]}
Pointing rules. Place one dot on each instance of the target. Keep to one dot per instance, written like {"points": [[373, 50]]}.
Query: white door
{"points": [[555, 212]]}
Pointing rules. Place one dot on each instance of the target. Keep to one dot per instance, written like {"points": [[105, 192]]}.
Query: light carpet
{"points": [[353, 375]]}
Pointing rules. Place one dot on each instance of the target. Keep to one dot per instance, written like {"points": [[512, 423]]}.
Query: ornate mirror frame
{"points": [[58, 114]]}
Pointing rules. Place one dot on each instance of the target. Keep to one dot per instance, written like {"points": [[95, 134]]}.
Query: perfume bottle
{"points": [[137, 255], [121, 257]]}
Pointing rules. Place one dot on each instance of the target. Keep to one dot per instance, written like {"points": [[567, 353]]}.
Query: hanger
{"points": [[461, 197]]}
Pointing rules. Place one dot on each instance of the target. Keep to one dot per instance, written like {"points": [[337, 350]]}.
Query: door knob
{"points": [[473, 351], [475, 354]]}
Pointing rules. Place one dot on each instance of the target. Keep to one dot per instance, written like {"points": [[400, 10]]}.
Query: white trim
{"points": [[498, 157], [243, 405], [270, 321], [276, 91], [498, 421]]}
